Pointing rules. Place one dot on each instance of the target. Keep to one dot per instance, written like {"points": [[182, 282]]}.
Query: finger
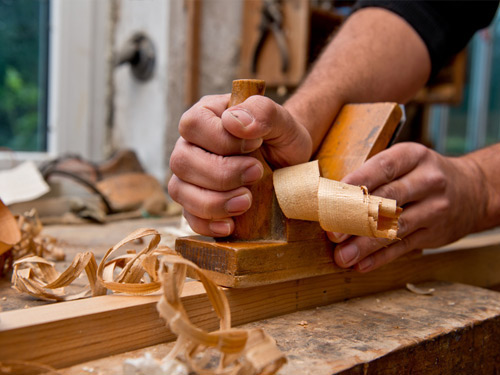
{"points": [[414, 218], [337, 237], [214, 172], [212, 228], [258, 117], [208, 204], [201, 125], [392, 252], [416, 185], [387, 165], [354, 250]]}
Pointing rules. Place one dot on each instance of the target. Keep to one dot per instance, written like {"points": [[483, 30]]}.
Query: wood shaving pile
{"points": [[226, 351], [131, 273], [26, 230]]}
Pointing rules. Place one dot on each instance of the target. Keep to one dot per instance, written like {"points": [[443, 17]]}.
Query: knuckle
{"points": [[186, 123], [437, 180], [225, 177], [388, 168], [441, 206], [222, 173], [388, 191], [417, 149], [406, 244], [173, 188], [265, 112], [178, 161], [206, 209], [402, 226]]}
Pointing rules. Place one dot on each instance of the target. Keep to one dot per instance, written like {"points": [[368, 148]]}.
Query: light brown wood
{"points": [[296, 18], [72, 332], [193, 36], [351, 337], [359, 132], [9, 230], [273, 248]]}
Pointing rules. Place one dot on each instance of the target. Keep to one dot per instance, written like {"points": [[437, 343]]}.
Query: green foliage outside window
{"points": [[23, 74]]}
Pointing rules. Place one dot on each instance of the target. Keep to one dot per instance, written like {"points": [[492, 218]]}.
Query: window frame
{"points": [[77, 110]]}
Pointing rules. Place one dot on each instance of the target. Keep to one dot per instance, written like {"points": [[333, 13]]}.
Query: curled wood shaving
{"points": [[32, 242], [415, 289], [338, 207], [130, 273], [225, 351], [234, 351]]}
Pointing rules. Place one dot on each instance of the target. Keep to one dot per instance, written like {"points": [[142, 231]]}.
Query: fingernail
{"points": [[348, 253], [252, 174], [243, 117], [248, 145], [220, 227], [366, 263], [238, 204]]}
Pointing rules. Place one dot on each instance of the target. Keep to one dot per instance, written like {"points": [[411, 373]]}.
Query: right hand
{"points": [[210, 169]]}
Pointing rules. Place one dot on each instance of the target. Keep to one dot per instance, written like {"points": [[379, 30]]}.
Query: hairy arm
{"points": [[376, 56]]}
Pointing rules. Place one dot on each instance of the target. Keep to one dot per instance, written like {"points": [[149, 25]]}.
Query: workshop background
{"points": [[66, 85]]}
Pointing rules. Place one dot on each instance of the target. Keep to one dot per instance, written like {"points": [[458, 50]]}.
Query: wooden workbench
{"points": [[455, 330]]}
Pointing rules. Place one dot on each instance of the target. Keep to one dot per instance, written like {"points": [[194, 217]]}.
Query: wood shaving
{"points": [[415, 289], [20, 236], [226, 351], [338, 207], [130, 273]]}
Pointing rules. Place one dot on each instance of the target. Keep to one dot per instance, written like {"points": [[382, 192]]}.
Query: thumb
{"points": [[286, 142]]}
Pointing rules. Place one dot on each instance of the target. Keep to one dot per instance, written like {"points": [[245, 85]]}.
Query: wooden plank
{"points": [[72, 332], [454, 330]]}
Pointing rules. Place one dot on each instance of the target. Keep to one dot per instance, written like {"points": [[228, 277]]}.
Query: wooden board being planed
{"points": [[72, 332]]}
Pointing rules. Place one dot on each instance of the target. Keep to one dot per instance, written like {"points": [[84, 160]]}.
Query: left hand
{"points": [[441, 197]]}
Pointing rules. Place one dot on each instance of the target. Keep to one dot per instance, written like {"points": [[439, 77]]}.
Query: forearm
{"points": [[376, 56], [486, 185]]}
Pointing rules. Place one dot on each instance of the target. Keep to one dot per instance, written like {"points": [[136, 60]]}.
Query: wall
{"points": [[146, 115]]}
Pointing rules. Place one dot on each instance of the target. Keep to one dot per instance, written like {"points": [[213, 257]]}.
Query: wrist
{"points": [[484, 183], [315, 115]]}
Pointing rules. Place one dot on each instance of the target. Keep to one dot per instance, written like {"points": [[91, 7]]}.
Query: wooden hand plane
{"points": [[266, 247]]}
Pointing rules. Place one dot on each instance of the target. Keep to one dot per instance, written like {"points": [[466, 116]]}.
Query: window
{"points": [[24, 41], [476, 122]]}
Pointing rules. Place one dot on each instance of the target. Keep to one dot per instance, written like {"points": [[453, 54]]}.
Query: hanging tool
{"points": [[272, 23]]}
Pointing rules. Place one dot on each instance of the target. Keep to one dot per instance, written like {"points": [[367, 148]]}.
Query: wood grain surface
{"points": [[72, 332], [453, 331]]}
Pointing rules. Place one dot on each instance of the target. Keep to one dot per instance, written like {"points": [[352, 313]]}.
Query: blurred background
{"points": [[92, 77]]}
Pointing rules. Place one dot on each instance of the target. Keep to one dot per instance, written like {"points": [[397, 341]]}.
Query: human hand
{"points": [[440, 196], [211, 170]]}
